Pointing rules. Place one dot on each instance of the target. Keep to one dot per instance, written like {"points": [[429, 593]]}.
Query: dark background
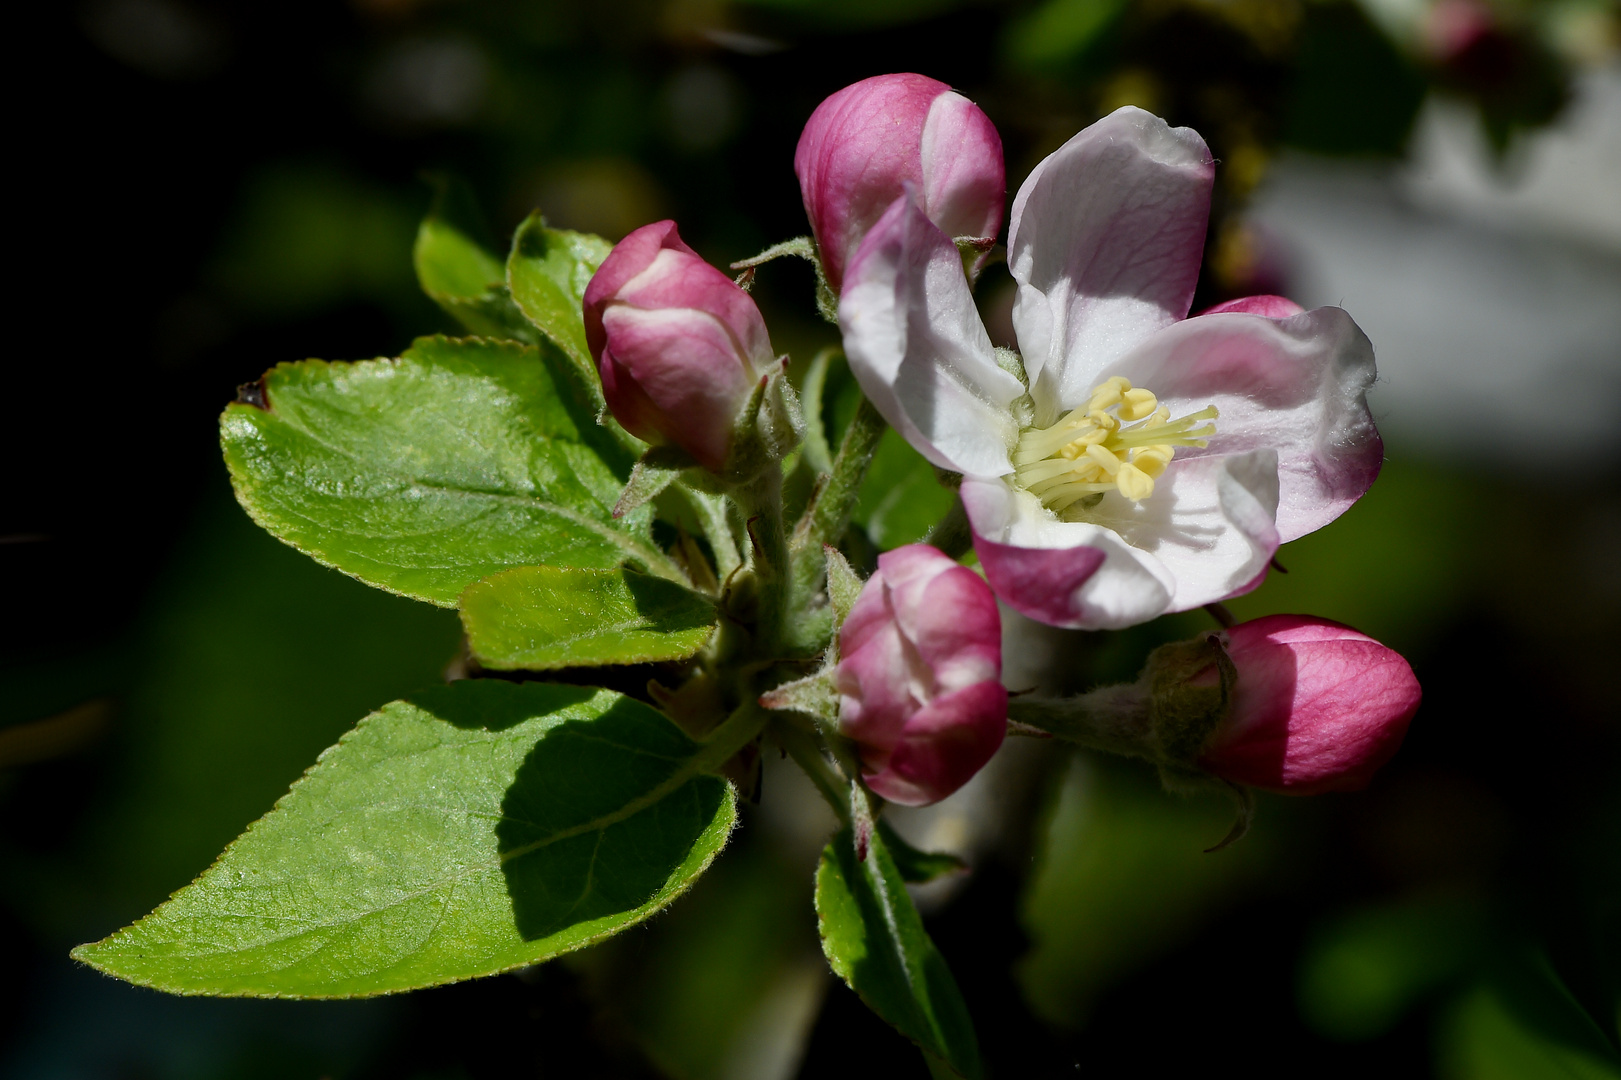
{"points": [[204, 190]]}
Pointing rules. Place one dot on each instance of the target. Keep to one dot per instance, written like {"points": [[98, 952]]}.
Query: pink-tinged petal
{"points": [[1273, 307], [877, 688], [1105, 245], [681, 279], [1209, 523], [943, 745], [678, 345], [628, 258], [1317, 707], [867, 141], [963, 182], [1296, 385], [685, 364], [953, 623], [917, 347], [857, 149], [1070, 574]]}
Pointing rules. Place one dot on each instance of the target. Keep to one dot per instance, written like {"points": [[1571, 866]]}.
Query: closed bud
{"points": [[1315, 706], [680, 348], [864, 144], [919, 676]]}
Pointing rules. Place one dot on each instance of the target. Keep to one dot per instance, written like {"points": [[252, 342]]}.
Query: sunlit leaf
{"points": [[548, 271], [544, 617], [425, 474], [466, 830], [874, 938]]}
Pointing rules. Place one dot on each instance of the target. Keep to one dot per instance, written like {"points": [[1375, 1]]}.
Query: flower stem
{"points": [[1114, 719], [734, 733], [828, 515], [804, 748], [761, 501]]}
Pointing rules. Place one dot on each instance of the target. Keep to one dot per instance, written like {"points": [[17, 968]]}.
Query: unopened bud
{"points": [[1316, 707], [864, 144], [680, 348], [919, 676]]}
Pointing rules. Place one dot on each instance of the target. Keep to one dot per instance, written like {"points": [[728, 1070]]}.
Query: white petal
{"points": [[917, 346], [1296, 385], [1129, 586], [1209, 523], [1106, 239]]}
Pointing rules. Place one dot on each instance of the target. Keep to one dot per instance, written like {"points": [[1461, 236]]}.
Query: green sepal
{"points": [[541, 618], [654, 471], [458, 271], [916, 866], [804, 247], [422, 475], [815, 695], [467, 830], [843, 584], [875, 941]]}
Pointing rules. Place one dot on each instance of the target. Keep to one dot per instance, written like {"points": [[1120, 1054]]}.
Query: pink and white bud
{"points": [[919, 676], [864, 144], [1316, 707], [678, 345]]}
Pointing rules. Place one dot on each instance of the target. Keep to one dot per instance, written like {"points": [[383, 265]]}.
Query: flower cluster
{"points": [[1127, 461]]}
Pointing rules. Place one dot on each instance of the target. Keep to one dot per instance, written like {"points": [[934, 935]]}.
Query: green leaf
{"points": [[874, 938], [547, 272], [917, 866], [900, 497], [467, 830], [425, 474], [539, 618], [459, 273]]}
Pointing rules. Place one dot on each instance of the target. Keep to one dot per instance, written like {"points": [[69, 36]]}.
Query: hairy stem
{"points": [[761, 501], [1114, 719], [807, 753], [828, 515]]}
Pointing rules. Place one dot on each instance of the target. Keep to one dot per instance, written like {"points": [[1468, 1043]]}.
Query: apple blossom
{"points": [[865, 142], [919, 676], [1140, 461], [1316, 706], [679, 346]]}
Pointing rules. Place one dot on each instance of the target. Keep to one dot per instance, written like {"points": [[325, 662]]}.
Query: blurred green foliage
{"points": [[249, 662]]}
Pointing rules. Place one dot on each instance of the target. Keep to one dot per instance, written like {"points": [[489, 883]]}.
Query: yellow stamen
{"points": [[1090, 452]]}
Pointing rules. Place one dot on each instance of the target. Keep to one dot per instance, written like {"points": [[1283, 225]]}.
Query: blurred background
{"points": [[212, 188]]}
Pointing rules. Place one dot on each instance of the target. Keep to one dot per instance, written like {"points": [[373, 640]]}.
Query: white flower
{"points": [[1155, 462]]}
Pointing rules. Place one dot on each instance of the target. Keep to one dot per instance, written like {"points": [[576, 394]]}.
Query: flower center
{"points": [[1120, 440]]}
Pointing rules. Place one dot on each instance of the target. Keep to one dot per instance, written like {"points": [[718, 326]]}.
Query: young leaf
{"points": [[874, 938], [917, 866], [425, 474], [900, 497], [539, 618], [547, 272], [459, 273], [470, 829]]}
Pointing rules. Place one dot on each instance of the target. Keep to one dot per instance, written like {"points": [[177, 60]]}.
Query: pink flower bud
{"points": [[919, 676], [678, 345], [865, 143], [1317, 707]]}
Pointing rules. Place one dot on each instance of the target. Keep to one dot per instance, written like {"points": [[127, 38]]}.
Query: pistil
{"points": [[1120, 440]]}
